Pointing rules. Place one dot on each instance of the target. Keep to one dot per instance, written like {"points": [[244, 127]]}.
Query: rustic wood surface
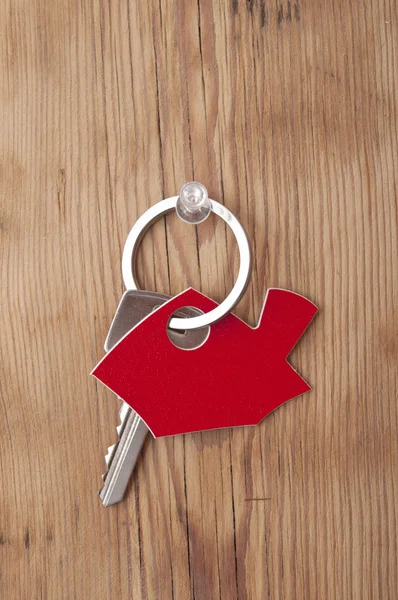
{"points": [[287, 112]]}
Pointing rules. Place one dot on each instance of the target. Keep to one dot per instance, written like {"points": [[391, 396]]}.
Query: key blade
{"points": [[125, 411], [124, 458]]}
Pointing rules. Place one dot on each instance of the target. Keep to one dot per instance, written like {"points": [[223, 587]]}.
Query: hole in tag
{"points": [[189, 339], [180, 332], [178, 313]]}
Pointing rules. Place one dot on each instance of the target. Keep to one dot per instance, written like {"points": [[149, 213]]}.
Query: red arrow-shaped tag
{"points": [[238, 376]]}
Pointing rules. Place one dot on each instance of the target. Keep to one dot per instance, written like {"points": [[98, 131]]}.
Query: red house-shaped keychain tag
{"points": [[237, 377]]}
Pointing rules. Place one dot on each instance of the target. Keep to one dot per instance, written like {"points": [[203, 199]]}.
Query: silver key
{"points": [[122, 456]]}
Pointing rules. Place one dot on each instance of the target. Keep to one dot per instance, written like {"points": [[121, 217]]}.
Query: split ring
{"points": [[142, 225]]}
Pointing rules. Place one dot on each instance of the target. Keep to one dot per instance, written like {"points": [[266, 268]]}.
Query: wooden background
{"points": [[287, 112]]}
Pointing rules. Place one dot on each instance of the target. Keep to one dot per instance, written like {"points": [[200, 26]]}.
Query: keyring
{"points": [[158, 373], [162, 208]]}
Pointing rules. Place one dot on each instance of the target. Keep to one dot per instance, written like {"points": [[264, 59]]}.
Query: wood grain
{"points": [[287, 112]]}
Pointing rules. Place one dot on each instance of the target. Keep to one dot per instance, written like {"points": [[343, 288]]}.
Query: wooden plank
{"points": [[287, 112]]}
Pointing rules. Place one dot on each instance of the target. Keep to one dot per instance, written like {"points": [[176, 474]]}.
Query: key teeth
{"points": [[111, 451], [124, 412], [108, 460]]}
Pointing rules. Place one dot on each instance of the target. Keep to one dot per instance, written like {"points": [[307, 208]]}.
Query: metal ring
{"points": [[145, 221]]}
